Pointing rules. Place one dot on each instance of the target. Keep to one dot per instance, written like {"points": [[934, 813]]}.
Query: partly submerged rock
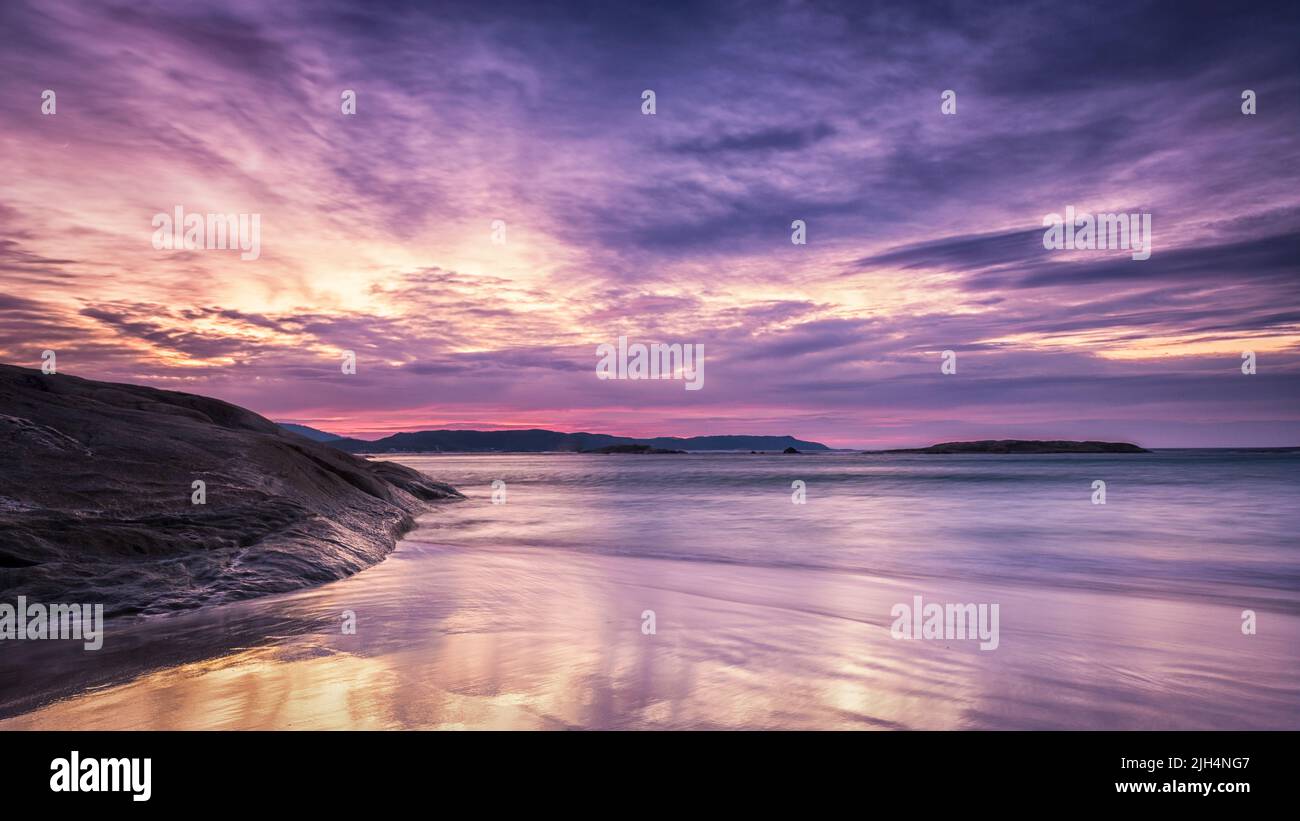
{"points": [[97, 490]]}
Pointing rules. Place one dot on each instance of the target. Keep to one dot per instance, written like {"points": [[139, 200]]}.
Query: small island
{"points": [[631, 449], [1022, 446]]}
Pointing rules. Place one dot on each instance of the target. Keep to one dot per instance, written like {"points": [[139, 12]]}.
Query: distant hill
{"points": [[310, 433], [1023, 446], [536, 440]]}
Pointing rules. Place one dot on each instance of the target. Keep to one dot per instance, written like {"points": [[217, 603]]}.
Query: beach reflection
{"points": [[449, 639]]}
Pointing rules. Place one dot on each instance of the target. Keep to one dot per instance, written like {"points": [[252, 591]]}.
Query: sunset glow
{"points": [[924, 231]]}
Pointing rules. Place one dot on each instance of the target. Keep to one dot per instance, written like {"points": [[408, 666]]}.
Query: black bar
{"points": [[304, 770]]}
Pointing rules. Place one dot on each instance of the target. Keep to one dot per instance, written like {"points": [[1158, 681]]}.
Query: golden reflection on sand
{"points": [[460, 640]]}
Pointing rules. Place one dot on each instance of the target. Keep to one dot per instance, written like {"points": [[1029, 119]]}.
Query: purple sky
{"points": [[924, 230]]}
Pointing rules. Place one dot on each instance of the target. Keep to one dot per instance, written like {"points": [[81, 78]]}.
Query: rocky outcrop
{"points": [[98, 499]]}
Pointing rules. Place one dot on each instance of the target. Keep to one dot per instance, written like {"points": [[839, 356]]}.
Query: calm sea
{"points": [[1195, 523]]}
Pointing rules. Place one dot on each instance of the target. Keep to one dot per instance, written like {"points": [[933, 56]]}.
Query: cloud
{"points": [[924, 230]]}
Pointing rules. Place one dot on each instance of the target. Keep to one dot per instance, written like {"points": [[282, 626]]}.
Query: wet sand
{"points": [[453, 637]]}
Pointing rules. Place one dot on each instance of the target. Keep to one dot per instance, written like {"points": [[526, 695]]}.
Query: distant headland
{"points": [[537, 440], [1022, 446]]}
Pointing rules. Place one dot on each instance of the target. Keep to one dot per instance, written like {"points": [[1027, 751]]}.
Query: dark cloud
{"points": [[767, 139]]}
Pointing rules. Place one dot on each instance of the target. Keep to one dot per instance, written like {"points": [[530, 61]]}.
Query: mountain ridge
{"points": [[540, 440]]}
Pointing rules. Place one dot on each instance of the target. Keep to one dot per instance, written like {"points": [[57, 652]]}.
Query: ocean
{"points": [[1188, 523]]}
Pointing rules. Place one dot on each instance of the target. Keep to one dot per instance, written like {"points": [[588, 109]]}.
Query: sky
{"points": [[924, 230]]}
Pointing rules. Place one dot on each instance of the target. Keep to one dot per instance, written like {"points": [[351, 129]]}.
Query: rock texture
{"points": [[96, 499]]}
